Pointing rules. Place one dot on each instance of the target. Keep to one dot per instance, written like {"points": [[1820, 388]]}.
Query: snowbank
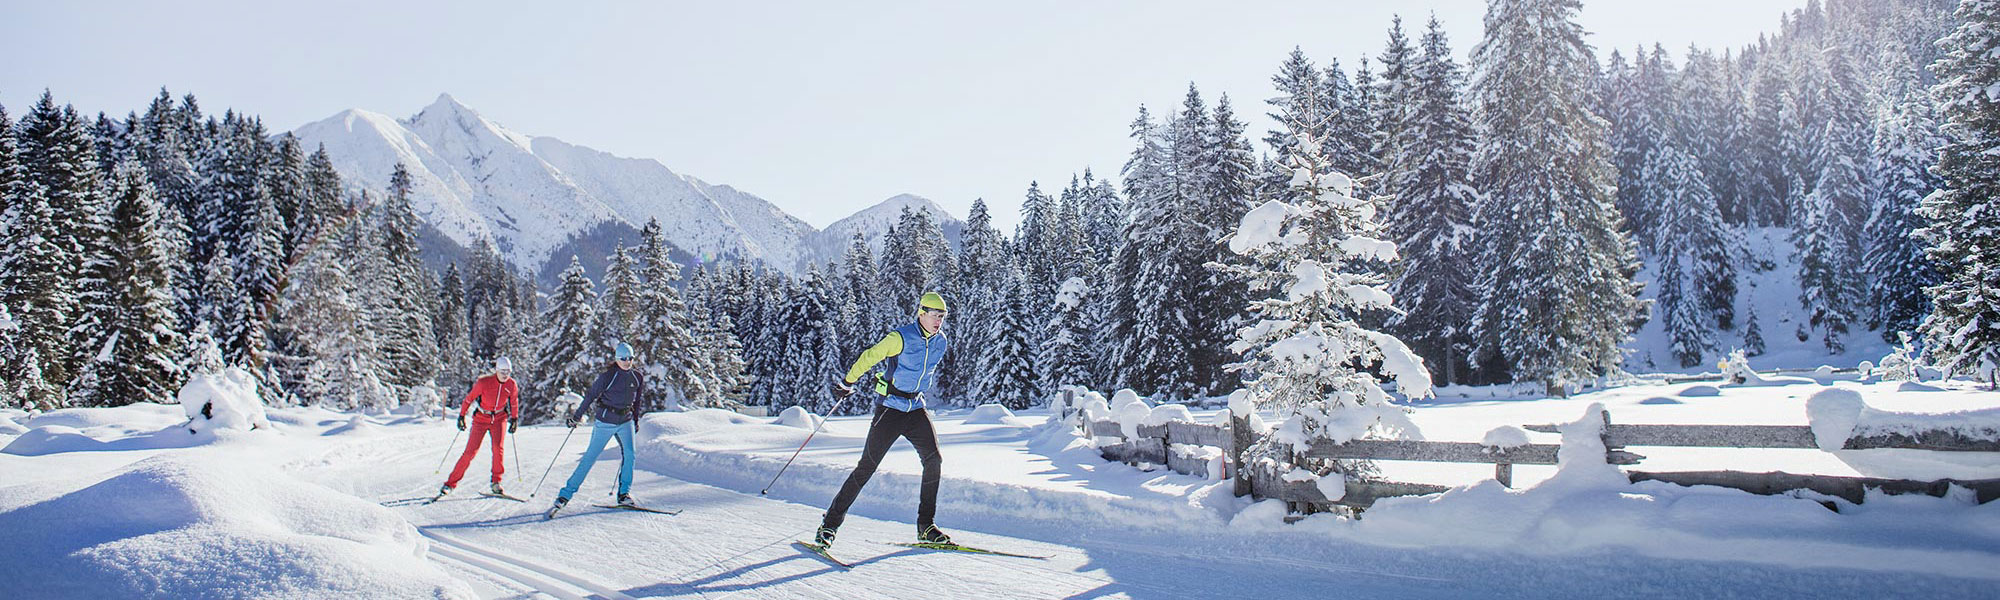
{"points": [[225, 400], [1839, 414], [798, 416], [207, 524], [132, 427], [990, 414]]}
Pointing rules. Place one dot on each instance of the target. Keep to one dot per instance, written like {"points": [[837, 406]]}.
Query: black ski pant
{"points": [[888, 425]]}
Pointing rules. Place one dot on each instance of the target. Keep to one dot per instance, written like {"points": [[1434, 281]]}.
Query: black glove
{"points": [[461, 422], [513, 424], [570, 422], [842, 389]]}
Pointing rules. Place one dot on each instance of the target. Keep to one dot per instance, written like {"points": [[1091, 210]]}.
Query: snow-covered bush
{"points": [[424, 400], [1901, 363], [1306, 355], [989, 414], [798, 416], [1736, 369], [223, 400]]}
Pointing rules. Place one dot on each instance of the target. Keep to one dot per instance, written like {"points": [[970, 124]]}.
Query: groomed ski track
{"points": [[733, 543]]}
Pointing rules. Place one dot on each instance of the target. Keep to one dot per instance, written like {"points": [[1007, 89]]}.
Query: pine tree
{"points": [[1067, 355], [723, 356], [1557, 269], [60, 157], [571, 349], [808, 357], [1768, 184], [404, 316], [1435, 282], [1686, 248], [1830, 232], [138, 346], [1152, 324], [337, 363], [1306, 357], [453, 331], [618, 306], [1906, 143], [32, 281], [1009, 377], [983, 258], [1394, 102], [1962, 335], [661, 332]]}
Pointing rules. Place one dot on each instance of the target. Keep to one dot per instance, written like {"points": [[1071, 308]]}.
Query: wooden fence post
{"points": [[1239, 431], [1504, 472]]}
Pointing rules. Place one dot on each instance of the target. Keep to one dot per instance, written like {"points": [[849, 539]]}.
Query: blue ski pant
{"points": [[600, 433]]}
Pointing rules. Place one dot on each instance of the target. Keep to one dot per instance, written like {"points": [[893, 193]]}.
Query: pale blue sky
{"points": [[821, 107]]}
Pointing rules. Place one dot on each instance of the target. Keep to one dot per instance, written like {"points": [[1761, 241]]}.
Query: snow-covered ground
{"points": [[126, 502]]}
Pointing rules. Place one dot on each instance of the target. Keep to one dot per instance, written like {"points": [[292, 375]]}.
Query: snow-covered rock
{"points": [[989, 414], [225, 400], [798, 416]]}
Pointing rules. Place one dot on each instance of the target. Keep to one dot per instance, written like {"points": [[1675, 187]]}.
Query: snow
{"points": [[1167, 413], [225, 400], [1309, 278], [292, 510], [799, 417], [1260, 227], [1369, 248], [1071, 293], [990, 414], [1506, 437], [1839, 414]]}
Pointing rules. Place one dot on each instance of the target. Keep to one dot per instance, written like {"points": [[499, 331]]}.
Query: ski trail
{"points": [[530, 575]]}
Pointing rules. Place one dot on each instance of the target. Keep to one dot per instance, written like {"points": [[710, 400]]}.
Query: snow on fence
{"points": [[1156, 444]]}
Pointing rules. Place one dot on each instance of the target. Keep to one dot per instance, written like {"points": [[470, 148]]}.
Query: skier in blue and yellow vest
{"points": [[913, 352]]}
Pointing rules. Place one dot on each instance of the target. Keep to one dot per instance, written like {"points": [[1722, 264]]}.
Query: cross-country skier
{"points": [[494, 401], [913, 352], [615, 400]]}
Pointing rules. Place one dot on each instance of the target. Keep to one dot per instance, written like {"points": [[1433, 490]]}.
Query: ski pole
{"points": [[552, 463], [447, 452], [802, 447], [517, 451]]}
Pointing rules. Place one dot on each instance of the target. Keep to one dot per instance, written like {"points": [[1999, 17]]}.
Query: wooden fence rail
{"points": [[1156, 444]]}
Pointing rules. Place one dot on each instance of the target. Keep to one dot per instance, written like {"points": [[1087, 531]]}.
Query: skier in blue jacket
{"points": [[913, 352], [615, 401]]}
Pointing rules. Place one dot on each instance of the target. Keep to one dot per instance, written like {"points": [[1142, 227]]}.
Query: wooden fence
{"points": [[1156, 444]]}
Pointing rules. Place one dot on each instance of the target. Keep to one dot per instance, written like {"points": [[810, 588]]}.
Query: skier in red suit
{"points": [[495, 404]]}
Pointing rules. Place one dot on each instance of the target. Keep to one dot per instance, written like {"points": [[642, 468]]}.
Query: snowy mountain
{"points": [[830, 244], [531, 196]]}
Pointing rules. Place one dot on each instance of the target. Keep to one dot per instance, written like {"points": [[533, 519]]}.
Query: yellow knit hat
{"points": [[931, 301]]}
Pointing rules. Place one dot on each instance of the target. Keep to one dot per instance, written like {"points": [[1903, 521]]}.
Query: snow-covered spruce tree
{"points": [[660, 331], [138, 343], [11, 352], [1432, 222], [404, 316], [1066, 352], [1906, 143], [1306, 356], [1394, 100], [1152, 324], [1226, 186], [723, 356], [983, 258], [1009, 377], [59, 156], [1104, 214], [337, 361], [453, 332], [1639, 126], [1035, 238], [808, 357], [1829, 236], [1767, 183], [1688, 248], [1753, 334], [32, 284], [571, 351], [1556, 266], [618, 305], [1962, 335]]}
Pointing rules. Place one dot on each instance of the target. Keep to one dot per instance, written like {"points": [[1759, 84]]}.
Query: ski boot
{"points": [[824, 537], [560, 502], [626, 500], [930, 534], [442, 491], [496, 491]]}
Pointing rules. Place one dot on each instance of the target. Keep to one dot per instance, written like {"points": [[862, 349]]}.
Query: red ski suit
{"points": [[493, 403]]}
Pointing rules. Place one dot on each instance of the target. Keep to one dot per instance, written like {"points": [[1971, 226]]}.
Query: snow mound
{"points": [[1166, 413], [1912, 386], [134, 427], [183, 526], [1839, 414], [798, 416], [9, 427], [225, 400], [1700, 391], [989, 414], [1661, 400], [1506, 437], [356, 424], [1130, 411]]}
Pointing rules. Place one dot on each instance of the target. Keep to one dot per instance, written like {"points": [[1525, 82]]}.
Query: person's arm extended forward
{"points": [[890, 345]]}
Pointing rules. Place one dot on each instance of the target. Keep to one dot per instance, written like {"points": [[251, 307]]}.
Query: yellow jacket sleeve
{"points": [[890, 345]]}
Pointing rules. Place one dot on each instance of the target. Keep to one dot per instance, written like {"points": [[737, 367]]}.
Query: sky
{"points": [[823, 108]]}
